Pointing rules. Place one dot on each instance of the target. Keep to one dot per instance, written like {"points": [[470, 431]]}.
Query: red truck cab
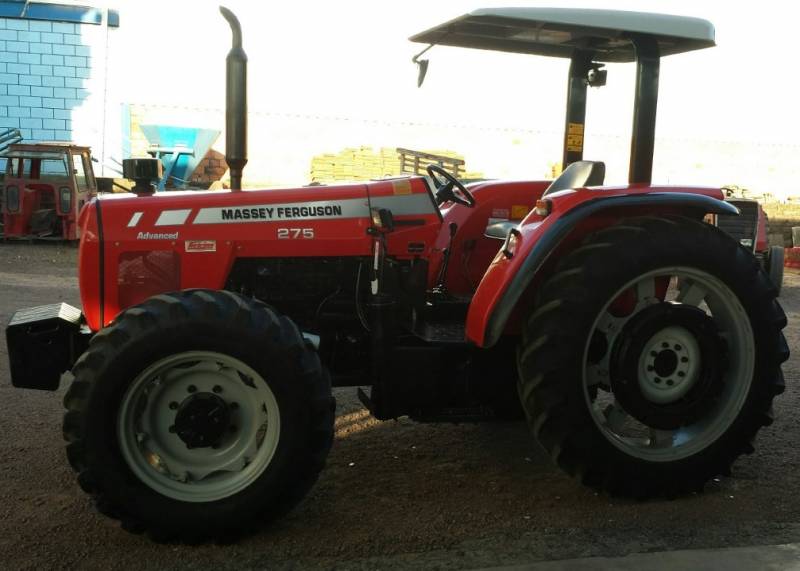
{"points": [[45, 187]]}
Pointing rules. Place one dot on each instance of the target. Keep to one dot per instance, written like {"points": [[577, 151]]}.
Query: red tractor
{"points": [[749, 227], [44, 189], [643, 345]]}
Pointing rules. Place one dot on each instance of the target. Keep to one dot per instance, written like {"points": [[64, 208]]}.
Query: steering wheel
{"points": [[449, 187]]}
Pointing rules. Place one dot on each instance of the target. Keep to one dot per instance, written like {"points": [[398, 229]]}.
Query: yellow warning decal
{"points": [[575, 143], [402, 186], [575, 129], [575, 137], [519, 211]]}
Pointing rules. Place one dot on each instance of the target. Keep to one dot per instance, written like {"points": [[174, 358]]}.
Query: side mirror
{"points": [[423, 69], [422, 65]]}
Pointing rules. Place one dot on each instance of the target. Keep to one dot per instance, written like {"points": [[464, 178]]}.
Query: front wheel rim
{"points": [[155, 426], [695, 288]]}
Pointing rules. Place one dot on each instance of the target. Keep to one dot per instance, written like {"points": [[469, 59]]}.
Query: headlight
{"points": [[65, 195], [12, 199]]}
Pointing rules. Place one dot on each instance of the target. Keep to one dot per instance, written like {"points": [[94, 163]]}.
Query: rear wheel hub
{"points": [[202, 419], [667, 365]]}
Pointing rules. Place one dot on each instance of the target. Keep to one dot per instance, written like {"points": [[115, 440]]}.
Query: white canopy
{"points": [[560, 31]]}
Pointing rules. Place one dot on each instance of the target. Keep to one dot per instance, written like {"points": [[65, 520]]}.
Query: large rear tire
{"points": [[198, 416], [775, 266], [652, 357]]}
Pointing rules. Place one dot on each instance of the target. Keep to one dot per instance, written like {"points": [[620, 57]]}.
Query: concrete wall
{"points": [[782, 218]]}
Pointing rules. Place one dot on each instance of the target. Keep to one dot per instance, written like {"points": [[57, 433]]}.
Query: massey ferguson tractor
{"points": [[749, 227], [642, 344]]}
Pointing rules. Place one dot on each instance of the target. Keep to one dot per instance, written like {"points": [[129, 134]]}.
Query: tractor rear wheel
{"points": [[774, 266], [652, 357], [197, 416]]}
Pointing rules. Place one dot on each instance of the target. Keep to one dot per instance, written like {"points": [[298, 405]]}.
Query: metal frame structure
{"points": [[587, 38]]}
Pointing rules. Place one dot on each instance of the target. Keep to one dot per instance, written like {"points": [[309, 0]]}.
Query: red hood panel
{"points": [[179, 240]]}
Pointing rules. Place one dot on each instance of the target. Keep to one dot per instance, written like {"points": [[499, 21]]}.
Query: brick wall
{"points": [[211, 169]]}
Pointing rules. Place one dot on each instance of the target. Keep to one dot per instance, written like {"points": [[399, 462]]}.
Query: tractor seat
{"points": [[500, 230], [578, 175]]}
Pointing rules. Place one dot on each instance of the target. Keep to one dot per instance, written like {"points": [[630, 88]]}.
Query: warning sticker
{"points": [[500, 213], [575, 143], [519, 211], [575, 129], [401, 186], [575, 137]]}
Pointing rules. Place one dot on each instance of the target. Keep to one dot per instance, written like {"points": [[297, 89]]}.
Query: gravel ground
{"points": [[395, 495]]}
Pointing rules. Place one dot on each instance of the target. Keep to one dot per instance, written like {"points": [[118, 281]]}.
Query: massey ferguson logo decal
{"points": [[402, 205], [281, 212], [319, 210]]}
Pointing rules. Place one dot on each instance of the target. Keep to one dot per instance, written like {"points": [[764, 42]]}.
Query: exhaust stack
{"points": [[235, 103]]}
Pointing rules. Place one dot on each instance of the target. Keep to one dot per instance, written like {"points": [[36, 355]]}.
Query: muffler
{"points": [[235, 103]]}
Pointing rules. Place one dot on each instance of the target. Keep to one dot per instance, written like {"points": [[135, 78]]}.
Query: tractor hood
{"points": [[145, 245], [248, 215]]}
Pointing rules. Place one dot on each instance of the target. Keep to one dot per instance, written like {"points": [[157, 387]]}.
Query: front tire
{"points": [[198, 415], [652, 357]]}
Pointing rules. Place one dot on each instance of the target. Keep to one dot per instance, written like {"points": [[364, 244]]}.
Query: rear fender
{"points": [[508, 278]]}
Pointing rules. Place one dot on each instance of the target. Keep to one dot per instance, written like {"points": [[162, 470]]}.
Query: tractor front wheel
{"points": [[652, 357], [197, 416]]}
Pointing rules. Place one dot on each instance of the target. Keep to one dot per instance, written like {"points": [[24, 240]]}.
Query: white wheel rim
{"points": [[699, 289], [162, 460]]}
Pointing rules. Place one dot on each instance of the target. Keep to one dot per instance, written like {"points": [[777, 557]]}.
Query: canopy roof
{"points": [[560, 31]]}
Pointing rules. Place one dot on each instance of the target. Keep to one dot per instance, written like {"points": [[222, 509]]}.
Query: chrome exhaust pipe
{"points": [[235, 103]]}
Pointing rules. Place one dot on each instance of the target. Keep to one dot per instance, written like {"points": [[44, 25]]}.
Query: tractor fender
{"points": [[491, 309]]}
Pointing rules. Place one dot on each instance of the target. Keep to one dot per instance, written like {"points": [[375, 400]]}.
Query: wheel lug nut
{"points": [[172, 429], [677, 347], [191, 388], [650, 367], [681, 374], [217, 389], [684, 359], [665, 345], [670, 382], [657, 380], [653, 354], [173, 405]]}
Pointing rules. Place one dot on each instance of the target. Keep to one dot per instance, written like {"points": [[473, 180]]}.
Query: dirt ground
{"points": [[394, 495]]}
